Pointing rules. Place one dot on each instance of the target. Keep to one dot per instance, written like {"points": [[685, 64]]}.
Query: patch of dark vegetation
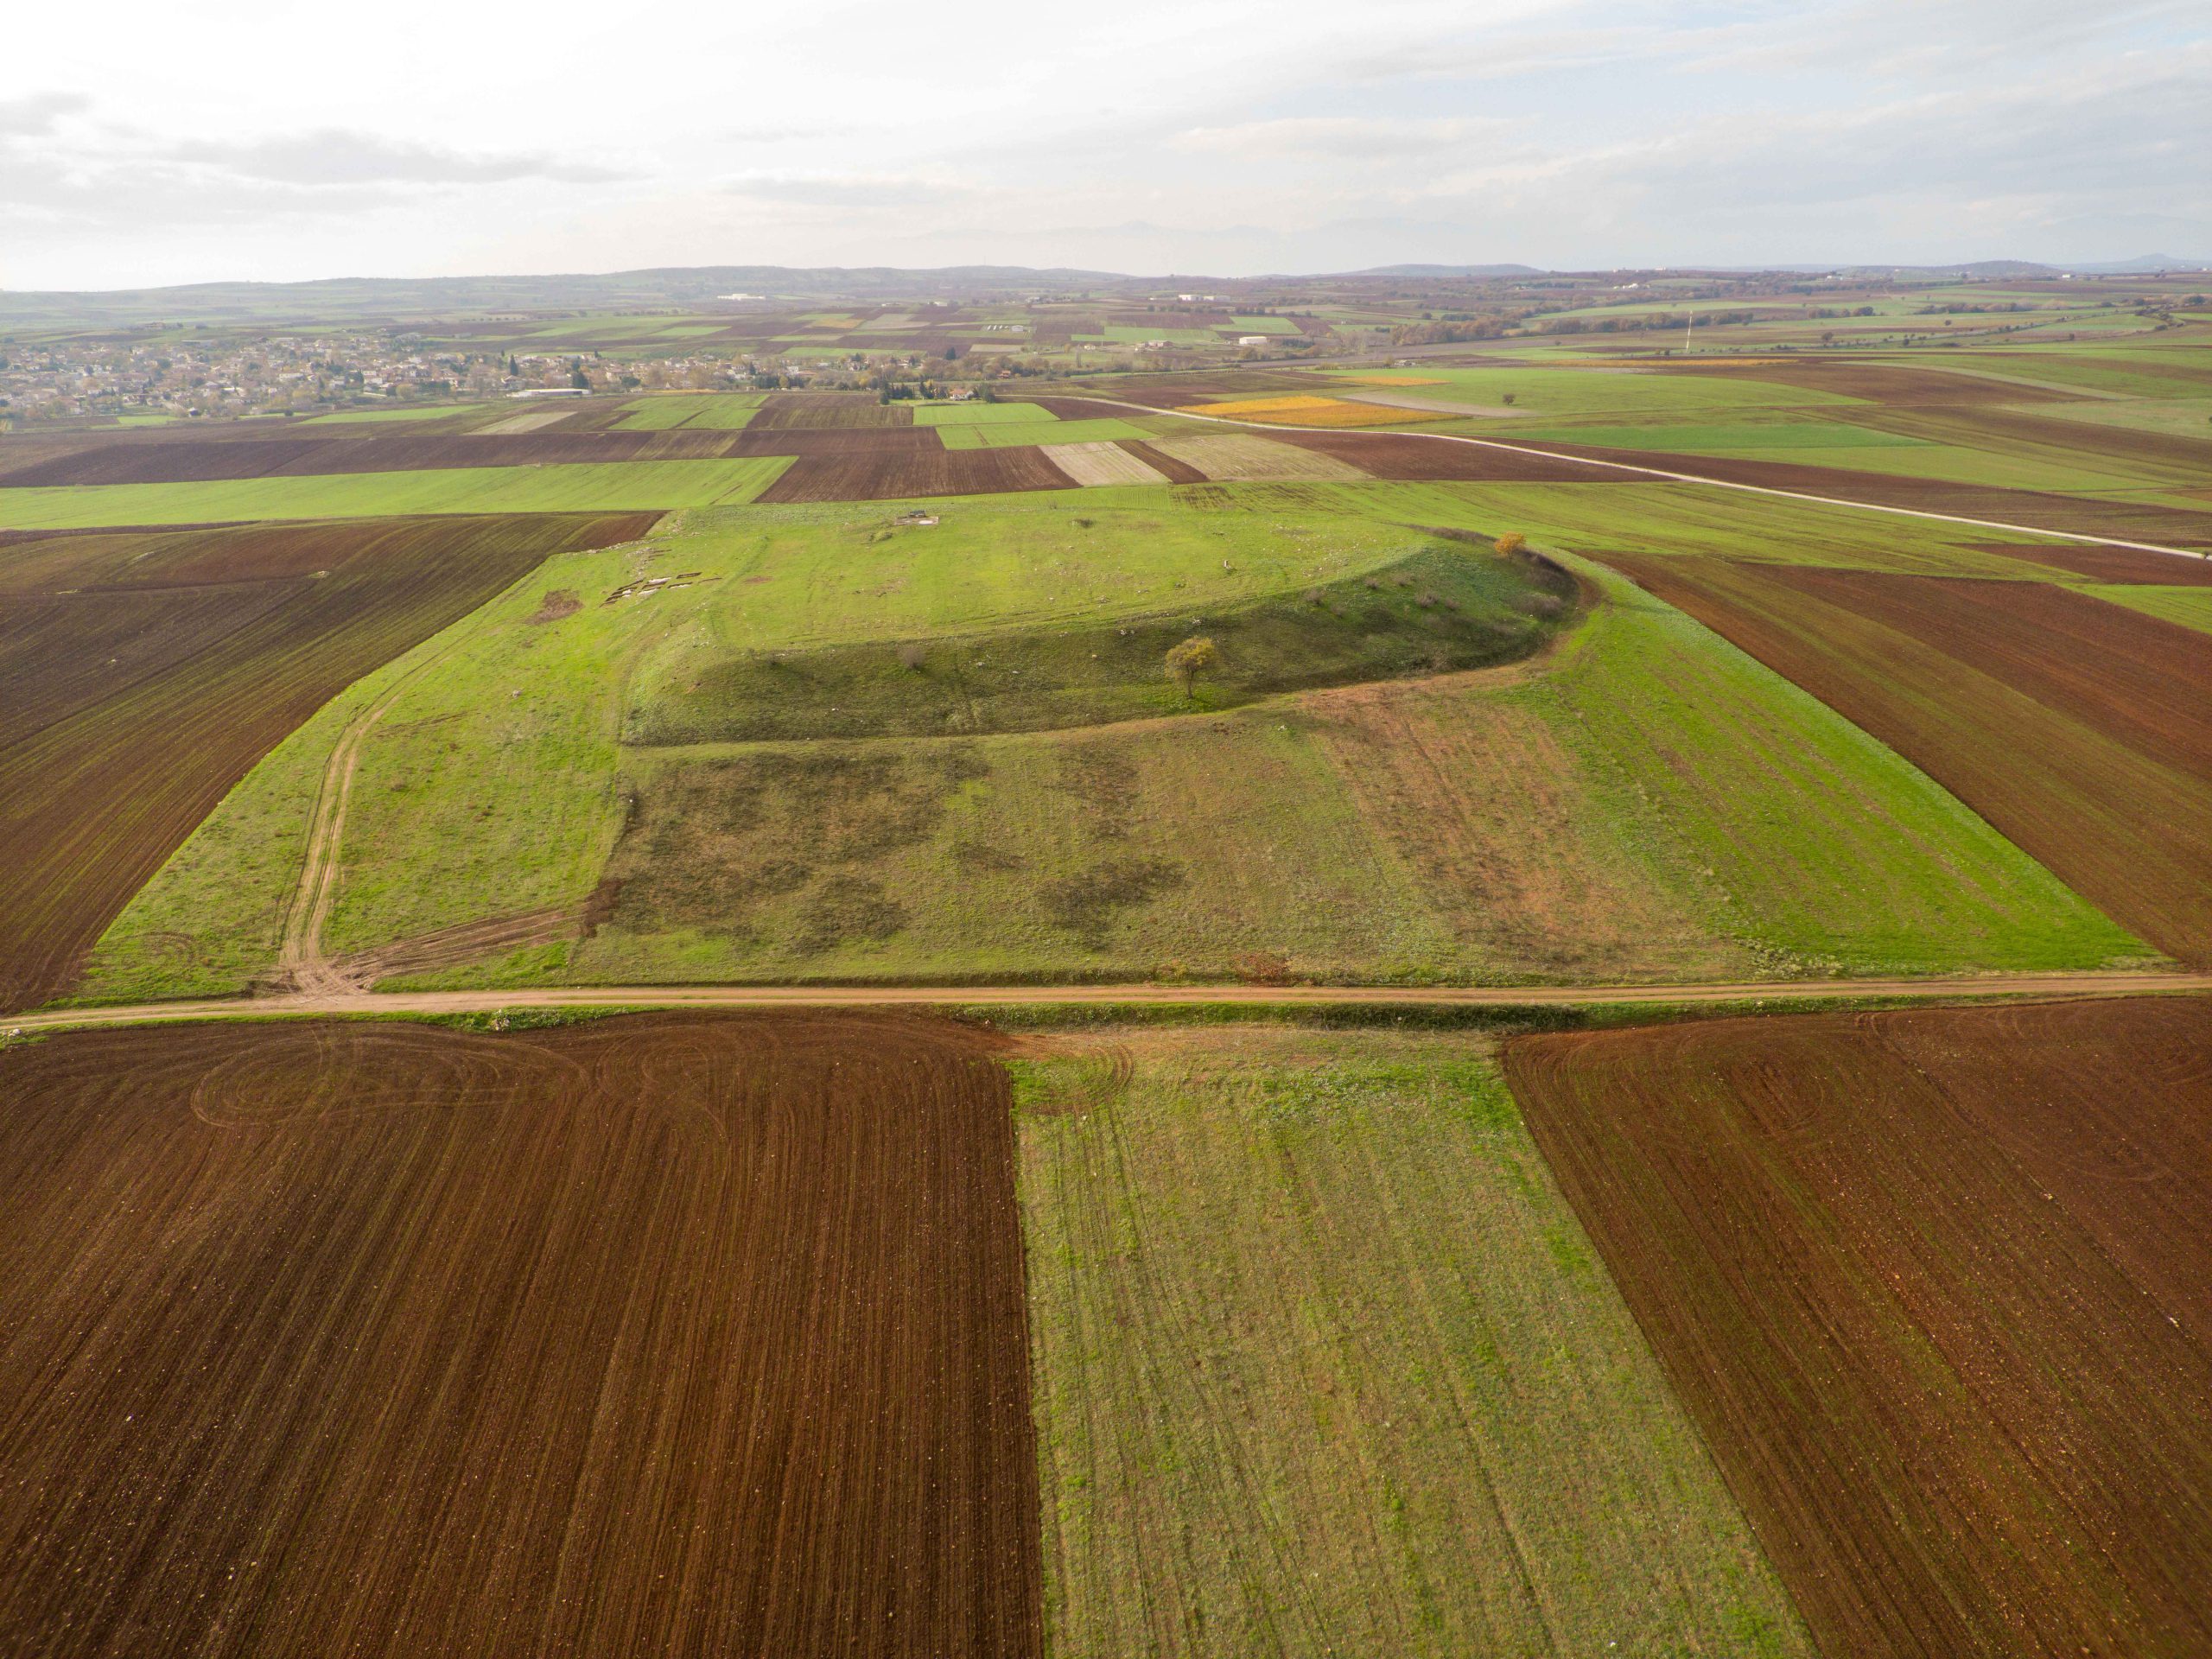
{"points": [[1104, 784], [709, 843], [1087, 904], [983, 857], [844, 908], [1442, 608], [557, 603]]}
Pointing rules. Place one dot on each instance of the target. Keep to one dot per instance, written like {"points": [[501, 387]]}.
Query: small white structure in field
{"points": [[1251, 340]]}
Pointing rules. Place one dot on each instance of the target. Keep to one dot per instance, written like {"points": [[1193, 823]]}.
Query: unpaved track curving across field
{"points": [[1671, 476], [302, 961], [1949, 988]]}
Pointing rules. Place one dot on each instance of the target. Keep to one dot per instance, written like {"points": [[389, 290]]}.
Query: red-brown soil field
{"points": [[837, 441], [1174, 469], [882, 477], [2077, 727], [142, 675], [2114, 564], [825, 408], [1895, 384], [1937, 1285], [667, 1334]]}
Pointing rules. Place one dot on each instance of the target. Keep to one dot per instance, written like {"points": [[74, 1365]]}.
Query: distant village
{"points": [[175, 379]]}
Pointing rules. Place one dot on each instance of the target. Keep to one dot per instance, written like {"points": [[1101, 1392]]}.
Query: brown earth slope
{"points": [[669, 1335], [1936, 1284], [141, 677]]}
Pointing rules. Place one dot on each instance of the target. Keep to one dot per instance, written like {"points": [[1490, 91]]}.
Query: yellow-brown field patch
{"points": [[1310, 411]]}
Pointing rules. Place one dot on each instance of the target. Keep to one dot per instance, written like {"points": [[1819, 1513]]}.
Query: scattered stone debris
{"points": [[651, 585]]}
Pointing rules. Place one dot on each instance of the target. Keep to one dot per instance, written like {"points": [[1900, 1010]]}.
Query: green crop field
{"points": [[2191, 606], [718, 411], [1605, 392], [978, 413], [1325, 1364], [608, 487]]}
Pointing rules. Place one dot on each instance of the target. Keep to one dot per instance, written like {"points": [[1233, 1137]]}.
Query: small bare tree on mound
{"points": [[1185, 661]]}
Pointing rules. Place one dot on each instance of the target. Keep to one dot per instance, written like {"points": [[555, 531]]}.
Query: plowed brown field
{"points": [[149, 463], [1174, 470], [881, 477], [142, 675], [2076, 727], [668, 1335], [1937, 1285], [1898, 385], [2119, 564], [839, 441], [828, 409]]}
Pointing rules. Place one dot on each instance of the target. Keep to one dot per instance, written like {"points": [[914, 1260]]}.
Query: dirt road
{"points": [[1669, 476], [912, 996]]}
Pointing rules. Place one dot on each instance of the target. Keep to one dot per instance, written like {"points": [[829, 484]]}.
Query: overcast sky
{"points": [[146, 141]]}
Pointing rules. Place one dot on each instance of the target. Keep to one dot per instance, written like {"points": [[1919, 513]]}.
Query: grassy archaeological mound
{"points": [[1442, 607]]}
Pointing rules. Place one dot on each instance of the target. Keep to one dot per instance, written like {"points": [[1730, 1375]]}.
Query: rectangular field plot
{"points": [[608, 487], [1247, 455], [978, 414], [1932, 1283], [1093, 464], [1013, 434], [666, 1335], [717, 412], [1325, 1365]]}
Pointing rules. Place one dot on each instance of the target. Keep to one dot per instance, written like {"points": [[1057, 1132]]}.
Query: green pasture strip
{"points": [[353, 416], [1816, 844], [1131, 334], [1010, 435], [2123, 374], [1621, 392], [713, 411], [1785, 436], [1264, 326], [2187, 417], [1262, 1259], [592, 486], [980, 414], [2189, 606], [1669, 518]]}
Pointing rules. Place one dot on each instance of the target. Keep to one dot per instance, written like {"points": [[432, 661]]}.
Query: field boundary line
{"points": [[350, 1001], [1670, 476]]}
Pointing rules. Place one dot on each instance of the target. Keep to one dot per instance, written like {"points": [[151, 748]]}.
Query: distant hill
{"points": [[2144, 263], [1446, 270]]}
